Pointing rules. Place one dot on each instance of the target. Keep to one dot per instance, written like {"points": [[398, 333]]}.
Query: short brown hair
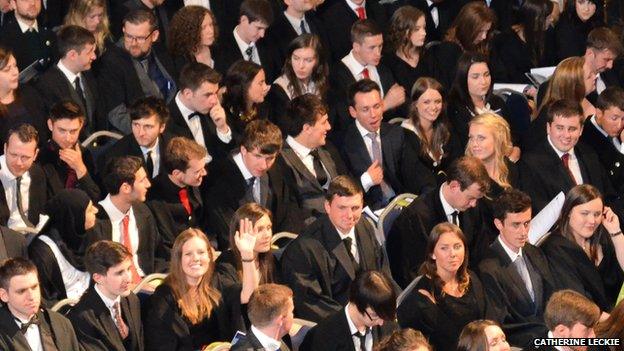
{"points": [[180, 151], [343, 185], [263, 135], [611, 97], [302, 110], [24, 132], [511, 201], [404, 340], [602, 38], [13, 267], [469, 170], [567, 307], [148, 106], [73, 38], [362, 29], [374, 289], [66, 110], [194, 74], [120, 170], [139, 16], [257, 10], [267, 302], [104, 254], [564, 108]]}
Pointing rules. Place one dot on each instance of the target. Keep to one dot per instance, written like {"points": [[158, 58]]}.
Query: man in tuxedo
{"points": [[197, 114], [270, 311], [321, 263], [297, 19], [71, 78], [175, 198], [124, 218], [149, 116], [135, 68], [515, 274], [368, 316], [307, 162], [570, 315], [380, 154], [339, 18], [28, 39], [603, 132], [23, 182], [560, 162], [66, 164], [246, 42], [120, 8], [362, 62], [249, 176], [108, 315], [24, 324], [455, 201]]}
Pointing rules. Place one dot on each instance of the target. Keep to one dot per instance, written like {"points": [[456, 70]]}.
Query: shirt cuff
{"points": [[367, 181], [225, 137]]}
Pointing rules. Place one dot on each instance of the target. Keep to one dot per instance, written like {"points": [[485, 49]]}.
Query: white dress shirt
{"points": [[448, 209], [615, 141], [353, 329], [435, 15], [242, 46], [195, 126], [267, 342], [32, 335], [354, 6], [356, 69], [155, 156], [365, 178], [350, 234], [296, 23], [116, 217], [25, 27], [110, 304], [238, 160], [74, 280], [71, 76], [204, 3], [10, 187], [572, 162], [304, 155]]}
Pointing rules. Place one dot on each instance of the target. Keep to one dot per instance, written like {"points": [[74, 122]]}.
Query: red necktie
{"points": [[70, 181], [183, 193], [119, 322], [125, 240], [365, 73], [565, 158], [361, 13]]}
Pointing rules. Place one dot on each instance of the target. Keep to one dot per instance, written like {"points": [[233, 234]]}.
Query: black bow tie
{"points": [[194, 114], [433, 6], [34, 320]]}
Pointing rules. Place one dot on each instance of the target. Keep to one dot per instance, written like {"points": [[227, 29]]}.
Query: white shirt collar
{"points": [[241, 43], [71, 76], [238, 159], [267, 342], [294, 21], [363, 131], [185, 111], [512, 255], [559, 152], [354, 65], [25, 27], [299, 149], [352, 328], [4, 170], [551, 336], [354, 6], [154, 148], [108, 302], [448, 209], [595, 123], [114, 214], [350, 234]]}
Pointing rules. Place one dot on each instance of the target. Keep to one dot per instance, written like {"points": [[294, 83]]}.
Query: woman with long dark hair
{"points": [[448, 296], [585, 251], [482, 335], [578, 18]]}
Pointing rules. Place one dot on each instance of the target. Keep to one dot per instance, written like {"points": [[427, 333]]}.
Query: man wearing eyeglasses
{"points": [[135, 68]]}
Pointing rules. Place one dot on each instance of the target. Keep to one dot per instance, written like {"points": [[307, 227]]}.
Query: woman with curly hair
{"points": [[244, 96], [304, 72], [192, 31], [91, 15], [405, 41], [448, 296]]}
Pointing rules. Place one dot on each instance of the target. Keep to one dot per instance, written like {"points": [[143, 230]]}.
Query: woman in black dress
{"points": [[584, 255], [186, 313], [448, 296], [404, 47], [244, 96], [427, 119], [192, 32], [305, 72], [578, 19], [58, 250]]}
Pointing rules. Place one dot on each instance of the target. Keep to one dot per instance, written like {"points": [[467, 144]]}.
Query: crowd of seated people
{"points": [[152, 149]]}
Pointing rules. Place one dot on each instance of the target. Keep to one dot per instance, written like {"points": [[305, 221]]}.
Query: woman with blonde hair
{"points": [[448, 296], [192, 32], [489, 139], [186, 312], [92, 15]]}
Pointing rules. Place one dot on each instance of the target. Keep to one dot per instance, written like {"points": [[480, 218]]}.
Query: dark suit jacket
{"points": [[128, 146], [317, 267], [407, 239], [403, 171], [447, 11], [251, 343], [611, 159], [96, 328], [303, 184], [281, 33], [227, 52], [37, 197], [153, 255], [12, 244], [337, 20], [12, 339], [333, 334], [227, 193], [27, 48], [176, 126], [54, 87], [521, 318], [543, 175]]}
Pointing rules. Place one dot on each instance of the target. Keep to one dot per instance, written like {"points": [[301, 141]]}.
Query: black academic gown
{"points": [[251, 343], [37, 197], [12, 244]]}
